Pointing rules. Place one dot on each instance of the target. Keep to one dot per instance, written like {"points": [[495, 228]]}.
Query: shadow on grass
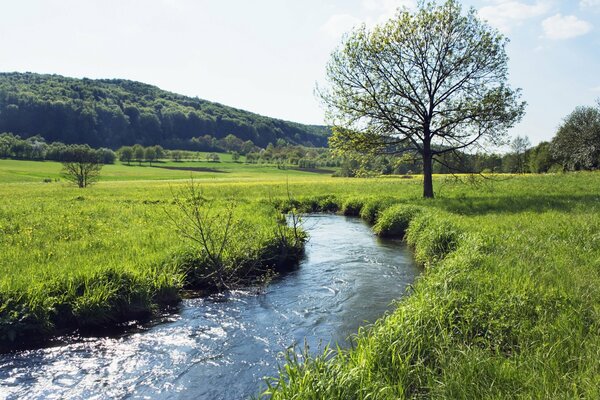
{"points": [[193, 169]]}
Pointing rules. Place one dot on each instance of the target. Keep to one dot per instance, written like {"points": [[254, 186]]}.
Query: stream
{"points": [[222, 346]]}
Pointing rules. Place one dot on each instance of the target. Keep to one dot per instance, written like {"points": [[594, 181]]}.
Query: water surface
{"points": [[222, 346]]}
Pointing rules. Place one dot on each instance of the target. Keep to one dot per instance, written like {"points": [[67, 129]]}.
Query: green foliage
{"points": [[394, 221], [432, 237], [351, 207], [373, 207], [36, 148], [426, 82], [114, 112], [576, 144]]}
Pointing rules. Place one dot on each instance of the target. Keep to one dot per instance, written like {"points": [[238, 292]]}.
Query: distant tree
{"points": [[540, 159], [150, 154], [235, 156], [125, 154], [427, 83], [107, 156], [252, 158], [138, 153], [247, 147], [81, 165], [519, 146], [232, 143], [176, 155], [213, 157], [160, 152], [577, 142]]}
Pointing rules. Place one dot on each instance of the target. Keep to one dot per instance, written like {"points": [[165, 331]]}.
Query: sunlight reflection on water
{"points": [[221, 347]]}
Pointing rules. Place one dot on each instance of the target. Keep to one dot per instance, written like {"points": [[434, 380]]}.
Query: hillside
{"points": [[116, 112]]}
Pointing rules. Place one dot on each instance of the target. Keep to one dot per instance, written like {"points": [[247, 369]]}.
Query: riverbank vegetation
{"points": [[507, 305]]}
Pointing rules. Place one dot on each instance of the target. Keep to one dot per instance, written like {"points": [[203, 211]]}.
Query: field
{"points": [[509, 305]]}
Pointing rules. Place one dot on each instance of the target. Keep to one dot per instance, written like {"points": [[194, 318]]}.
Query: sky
{"points": [[266, 56]]}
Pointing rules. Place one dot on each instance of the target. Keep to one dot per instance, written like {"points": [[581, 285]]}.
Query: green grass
{"points": [[16, 171], [508, 306]]}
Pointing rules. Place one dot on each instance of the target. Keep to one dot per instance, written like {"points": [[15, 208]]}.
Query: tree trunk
{"points": [[427, 173]]}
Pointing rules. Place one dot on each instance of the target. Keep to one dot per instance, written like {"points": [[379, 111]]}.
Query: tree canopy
{"points": [[81, 165], [429, 83], [116, 112], [577, 142]]}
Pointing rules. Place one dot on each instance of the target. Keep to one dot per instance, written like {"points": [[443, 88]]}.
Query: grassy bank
{"points": [[95, 258], [509, 306]]}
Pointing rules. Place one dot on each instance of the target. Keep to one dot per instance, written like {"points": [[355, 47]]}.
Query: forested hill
{"points": [[116, 112]]}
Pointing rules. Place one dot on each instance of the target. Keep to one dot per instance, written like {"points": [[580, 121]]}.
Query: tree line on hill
{"points": [[113, 113]]}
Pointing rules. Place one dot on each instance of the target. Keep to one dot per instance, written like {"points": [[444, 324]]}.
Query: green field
{"points": [[509, 304], [13, 171]]}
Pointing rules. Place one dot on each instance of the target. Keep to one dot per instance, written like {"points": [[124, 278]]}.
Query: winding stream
{"points": [[222, 346]]}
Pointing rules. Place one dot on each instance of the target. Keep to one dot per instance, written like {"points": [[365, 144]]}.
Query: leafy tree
{"points": [[577, 142], [252, 158], [81, 165], [176, 155], [125, 154], [540, 158], [138, 153], [150, 154], [519, 146], [248, 147], [160, 152], [235, 156], [429, 83], [213, 157]]}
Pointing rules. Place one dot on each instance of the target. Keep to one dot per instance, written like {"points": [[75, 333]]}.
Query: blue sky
{"points": [[266, 55]]}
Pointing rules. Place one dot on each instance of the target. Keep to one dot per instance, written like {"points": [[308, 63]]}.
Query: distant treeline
{"points": [[114, 113], [575, 146], [36, 148], [538, 159]]}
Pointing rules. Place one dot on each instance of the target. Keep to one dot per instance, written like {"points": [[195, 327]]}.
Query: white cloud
{"points": [[338, 24], [595, 89], [505, 14], [565, 27]]}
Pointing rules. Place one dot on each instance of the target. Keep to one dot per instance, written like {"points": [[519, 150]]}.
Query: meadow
{"points": [[508, 306]]}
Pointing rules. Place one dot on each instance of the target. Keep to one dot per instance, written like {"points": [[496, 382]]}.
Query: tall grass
{"points": [[95, 258], [508, 306]]}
